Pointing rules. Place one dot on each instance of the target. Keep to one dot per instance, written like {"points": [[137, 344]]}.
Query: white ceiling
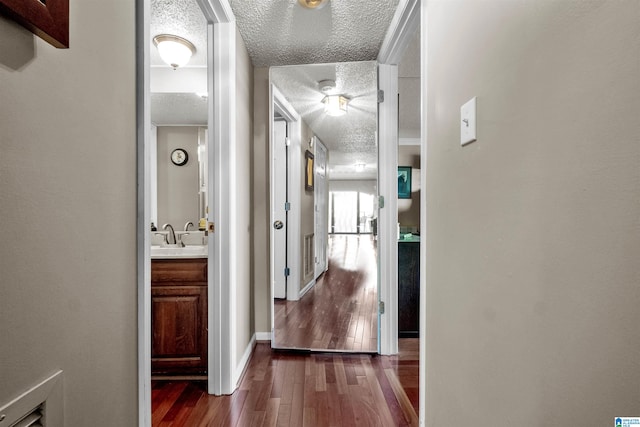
{"points": [[281, 32]]}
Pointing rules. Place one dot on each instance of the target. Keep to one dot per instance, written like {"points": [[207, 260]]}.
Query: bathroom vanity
{"points": [[178, 314]]}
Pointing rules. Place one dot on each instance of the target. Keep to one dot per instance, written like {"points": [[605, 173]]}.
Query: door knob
{"points": [[278, 225]]}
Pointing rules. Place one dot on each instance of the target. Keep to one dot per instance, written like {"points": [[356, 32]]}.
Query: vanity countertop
{"points": [[164, 252], [409, 238]]}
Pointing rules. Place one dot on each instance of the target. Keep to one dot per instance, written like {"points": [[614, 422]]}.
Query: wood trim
{"points": [[424, 108], [402, 27], [217, 11], [388, 216], [48, 21], [143, 144], [222, 142]]}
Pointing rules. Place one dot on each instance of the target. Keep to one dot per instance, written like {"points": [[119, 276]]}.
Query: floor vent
{"points": [[40, 406], [309, 261]]}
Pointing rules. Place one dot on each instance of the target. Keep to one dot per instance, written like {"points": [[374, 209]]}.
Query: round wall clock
{"points": [[179, 157]]}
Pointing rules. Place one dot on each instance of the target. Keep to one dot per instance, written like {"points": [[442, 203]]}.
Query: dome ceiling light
{"points": [[313, 4], [174, 50]]}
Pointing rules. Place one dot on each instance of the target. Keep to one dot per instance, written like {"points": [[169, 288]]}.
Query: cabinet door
{"points": [[408, 289], [179, 329]]}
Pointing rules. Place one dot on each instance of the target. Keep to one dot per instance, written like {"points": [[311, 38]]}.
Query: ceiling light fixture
{"points": [[174, 50], [335, 105], [313, 4], [359, 167], [326, 86]]}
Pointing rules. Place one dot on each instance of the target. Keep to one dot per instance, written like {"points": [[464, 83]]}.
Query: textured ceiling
{"points": [[281, 32], [351, 138], [170, 109], [182, 18]]}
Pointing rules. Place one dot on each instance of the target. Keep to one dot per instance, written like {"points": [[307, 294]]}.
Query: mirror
{"points": [[334, 108], [179, 118]]}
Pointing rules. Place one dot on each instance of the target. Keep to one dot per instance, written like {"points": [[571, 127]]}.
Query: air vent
{"points": [[40, 406], [308, 257], [32, 419]]}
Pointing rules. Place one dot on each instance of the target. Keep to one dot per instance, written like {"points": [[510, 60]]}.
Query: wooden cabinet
{"points": [[408, 289], [179, 316]]}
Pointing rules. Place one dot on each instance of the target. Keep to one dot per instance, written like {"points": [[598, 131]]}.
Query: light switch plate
{"points": [[468, 122]]}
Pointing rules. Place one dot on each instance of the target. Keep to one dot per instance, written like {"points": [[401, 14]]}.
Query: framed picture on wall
{"points": [[404, 182], [48, 19], [308, 170]]}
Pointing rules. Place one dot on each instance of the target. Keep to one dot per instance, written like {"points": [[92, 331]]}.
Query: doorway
{"points": [[336, 158]]}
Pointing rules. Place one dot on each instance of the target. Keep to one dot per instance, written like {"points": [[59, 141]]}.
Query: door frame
{"points": [[278, 103], [324, 234], [221, 33], [402, 27], [222, 115]]}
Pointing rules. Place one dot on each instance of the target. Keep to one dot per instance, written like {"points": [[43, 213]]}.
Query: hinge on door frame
{"points": [[380, 96], [287, 141], [380, 202], [381, 307], [287, 206], [287, 272]]}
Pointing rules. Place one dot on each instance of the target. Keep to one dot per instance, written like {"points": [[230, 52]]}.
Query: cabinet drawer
{"points": [[179, 270]]}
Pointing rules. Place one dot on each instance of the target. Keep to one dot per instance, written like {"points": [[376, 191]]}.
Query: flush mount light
{"points": [[326, 86], [335, 105], [313, 4], [174, 50]]}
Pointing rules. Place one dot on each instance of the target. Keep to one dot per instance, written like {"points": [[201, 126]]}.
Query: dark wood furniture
{"points": [[179, 316], [408, 289]]}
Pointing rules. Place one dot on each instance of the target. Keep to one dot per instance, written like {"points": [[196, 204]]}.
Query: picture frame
{"points": [[404, 182], [308, 171], [48, 19]]}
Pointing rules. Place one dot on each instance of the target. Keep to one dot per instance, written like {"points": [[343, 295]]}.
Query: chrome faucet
{"points": [[171, 238], [186, 226]]}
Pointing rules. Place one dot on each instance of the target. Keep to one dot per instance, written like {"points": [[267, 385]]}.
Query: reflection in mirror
{"points": [[179, 118], [334, 307], [177, 315]]}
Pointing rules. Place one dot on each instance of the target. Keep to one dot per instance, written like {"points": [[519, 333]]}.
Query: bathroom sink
{"points": [[174, 251]]}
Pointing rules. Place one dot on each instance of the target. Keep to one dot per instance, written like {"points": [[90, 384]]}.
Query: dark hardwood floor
{"points": [[340, 311], [301, 389]]}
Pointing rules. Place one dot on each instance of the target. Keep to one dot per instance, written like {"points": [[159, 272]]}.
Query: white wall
{"points": [[368, 186], [244, 133], [533, 232], [177, 186], [68, 209]]}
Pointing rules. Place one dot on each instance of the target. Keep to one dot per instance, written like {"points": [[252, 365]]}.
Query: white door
{"points": [[278, 212], [321, 196]]}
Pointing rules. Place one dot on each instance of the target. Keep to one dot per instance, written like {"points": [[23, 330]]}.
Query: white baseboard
{"points": [[242, 366], [306, 288], [263, 336]]}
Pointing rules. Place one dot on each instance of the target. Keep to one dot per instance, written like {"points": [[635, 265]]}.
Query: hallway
{"points": [[339, 312], [295, 389]]}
